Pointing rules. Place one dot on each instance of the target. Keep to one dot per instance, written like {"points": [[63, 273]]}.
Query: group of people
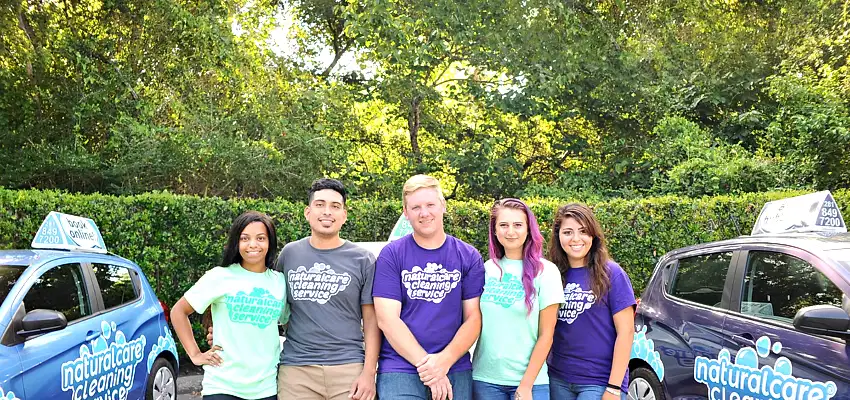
{"points": [[401, 326]]}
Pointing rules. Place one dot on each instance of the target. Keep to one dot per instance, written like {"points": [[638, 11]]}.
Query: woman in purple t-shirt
{"points": [[593, 336]]}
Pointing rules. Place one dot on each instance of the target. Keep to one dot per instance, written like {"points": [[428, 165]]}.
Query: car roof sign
{"points": [[69, 232], [813, 212], [402, 227]]}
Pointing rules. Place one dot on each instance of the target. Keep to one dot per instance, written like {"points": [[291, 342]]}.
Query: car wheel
{"points": [[644, 385], [162, 384]]}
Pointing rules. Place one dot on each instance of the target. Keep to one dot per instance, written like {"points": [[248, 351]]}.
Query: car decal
{"points": [[644, 349], [104, 370], [744, 380], [163, 343], [8, 395]]}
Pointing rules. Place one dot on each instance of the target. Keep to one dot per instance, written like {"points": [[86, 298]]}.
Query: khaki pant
{"points": [[316, 382]]}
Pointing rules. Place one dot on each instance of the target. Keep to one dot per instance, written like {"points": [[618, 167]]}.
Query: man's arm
{"points": [[388, 312], [363, 388], [372, 337], [437, 365]]}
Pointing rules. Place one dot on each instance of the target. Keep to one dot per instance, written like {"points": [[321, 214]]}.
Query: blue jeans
{"points": [[491, 391], [403, 386], [561, 390]]}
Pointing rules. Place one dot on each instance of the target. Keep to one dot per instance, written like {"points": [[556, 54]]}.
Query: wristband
{"points": [[613, 386]]}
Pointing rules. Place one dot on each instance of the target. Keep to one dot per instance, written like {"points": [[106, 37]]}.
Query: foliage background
{"points": [[577, 99]]}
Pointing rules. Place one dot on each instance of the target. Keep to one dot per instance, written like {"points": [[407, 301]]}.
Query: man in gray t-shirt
{"points": [[328, 354], [326, 291]]}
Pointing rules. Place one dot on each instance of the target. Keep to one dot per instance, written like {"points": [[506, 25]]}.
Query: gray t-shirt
{"points": [[326, 290]]}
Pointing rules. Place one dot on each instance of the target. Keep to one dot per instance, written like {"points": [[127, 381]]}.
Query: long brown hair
{"points": [[597, 257]]}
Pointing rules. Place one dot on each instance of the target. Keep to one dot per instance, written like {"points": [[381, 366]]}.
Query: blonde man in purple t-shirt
{"points": [[426, 293]]}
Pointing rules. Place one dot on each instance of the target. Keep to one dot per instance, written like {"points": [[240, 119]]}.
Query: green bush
{"points": [[176, 238]]}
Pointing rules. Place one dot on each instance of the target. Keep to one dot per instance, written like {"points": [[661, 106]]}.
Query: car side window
{"points": [[116, 285], [701, 278], [61, 288], [777, 285]]}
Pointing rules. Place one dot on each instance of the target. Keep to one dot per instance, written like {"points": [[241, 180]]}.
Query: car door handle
{"points": [[90, 335], [744, 339]]}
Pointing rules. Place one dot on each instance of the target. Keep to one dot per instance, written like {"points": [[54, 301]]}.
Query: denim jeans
{"points": [[561, 390], [229, 397], [491, 391], [408, 386]]}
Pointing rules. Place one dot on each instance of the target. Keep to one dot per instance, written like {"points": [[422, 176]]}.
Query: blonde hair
{"points": [[421, 181]]}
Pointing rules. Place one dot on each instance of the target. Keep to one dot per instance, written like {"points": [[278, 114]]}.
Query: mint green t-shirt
{"points": [[508, 332], [246, 307]]}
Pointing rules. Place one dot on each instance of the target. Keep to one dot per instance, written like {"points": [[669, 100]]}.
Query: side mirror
{"points": [[37, 322], [823, 320]]}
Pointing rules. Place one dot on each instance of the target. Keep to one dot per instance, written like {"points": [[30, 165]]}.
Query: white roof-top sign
{"points": [[402, 227], [69, 232], [813, 212]]}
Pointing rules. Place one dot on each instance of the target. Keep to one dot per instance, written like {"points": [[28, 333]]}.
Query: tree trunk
{"points": [[413, 127]]}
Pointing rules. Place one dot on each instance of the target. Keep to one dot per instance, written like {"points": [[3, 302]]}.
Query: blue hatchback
{"points": [[765, 316], [80, 324]]}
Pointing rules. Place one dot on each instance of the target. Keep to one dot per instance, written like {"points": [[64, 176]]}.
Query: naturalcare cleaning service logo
{"points": [[318, 284], [259, 308], [430, 284], [576, 302], [105, 370], [744, 380], [504, 292]]}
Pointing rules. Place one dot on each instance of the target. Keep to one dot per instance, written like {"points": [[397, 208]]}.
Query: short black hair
{"points": [[327, 183], [231, 249]]}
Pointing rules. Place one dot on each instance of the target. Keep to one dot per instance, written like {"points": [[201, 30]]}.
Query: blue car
{"points": [[765, 316], [79, 323]]}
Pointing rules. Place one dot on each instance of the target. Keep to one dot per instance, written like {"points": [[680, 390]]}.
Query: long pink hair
{"points": [[532, 250]]}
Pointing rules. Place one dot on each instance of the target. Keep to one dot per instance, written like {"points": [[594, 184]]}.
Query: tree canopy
{"points": [[580, 98]]}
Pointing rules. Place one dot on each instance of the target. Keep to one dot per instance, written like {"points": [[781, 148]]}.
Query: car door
{"points": [[686, 322], [57, 364], [772, 284], [133, 322]]}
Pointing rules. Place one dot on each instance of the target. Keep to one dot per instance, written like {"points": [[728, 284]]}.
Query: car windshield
{"points": [[9, 274]]}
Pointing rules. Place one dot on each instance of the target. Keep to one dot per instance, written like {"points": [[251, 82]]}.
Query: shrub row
{"points": [[175, 238]]}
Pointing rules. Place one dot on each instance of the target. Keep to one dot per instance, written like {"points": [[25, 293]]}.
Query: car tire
{"points": [[644, 385], [162, 382]]}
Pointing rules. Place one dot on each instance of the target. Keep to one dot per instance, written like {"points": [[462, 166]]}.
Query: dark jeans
{"points": [[561, 390], [404, 386]]}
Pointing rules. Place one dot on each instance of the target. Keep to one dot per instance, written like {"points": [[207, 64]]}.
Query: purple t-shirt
{"points": [[431, 286], [583, 347]]}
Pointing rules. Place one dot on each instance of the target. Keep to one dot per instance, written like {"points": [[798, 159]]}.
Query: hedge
{"points": [[175, 238]]}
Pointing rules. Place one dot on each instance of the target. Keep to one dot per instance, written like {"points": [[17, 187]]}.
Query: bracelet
{"points": [[613, 386]]}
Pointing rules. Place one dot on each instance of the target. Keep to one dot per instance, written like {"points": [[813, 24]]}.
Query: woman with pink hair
{"points": [[519, 309]]}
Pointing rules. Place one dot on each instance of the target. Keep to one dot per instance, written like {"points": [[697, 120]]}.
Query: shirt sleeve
{"points": [[284, 314], [387, 281], [369, 279], [473, 279], [206, 290], [621, 294], [551, 287]]}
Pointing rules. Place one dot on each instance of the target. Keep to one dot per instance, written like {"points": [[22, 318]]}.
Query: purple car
{"points": [[765, 316]]}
